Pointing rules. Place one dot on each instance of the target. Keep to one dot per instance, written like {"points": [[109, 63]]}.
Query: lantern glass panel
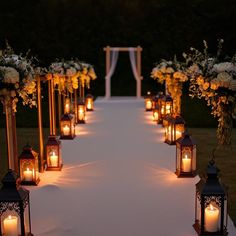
{"points": [[212, 217], [186, 161], [89, 103], [53, 159], [28, 172], [155, 115], [67, 106], [168, 108], [10, 223], [179, 129], [148, 103], [81, 112], [65, 128]]}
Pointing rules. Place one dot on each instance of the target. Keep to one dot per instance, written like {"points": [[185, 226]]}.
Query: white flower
{"points": [[71, 71], [224, 66], [11, 76], [224, 79], [194, 69]]}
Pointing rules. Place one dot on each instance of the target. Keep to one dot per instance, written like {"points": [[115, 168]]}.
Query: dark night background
{"points": [[81, 28]]}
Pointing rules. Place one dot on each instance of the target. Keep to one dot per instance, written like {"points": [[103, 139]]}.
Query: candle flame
{"points": [[9, 217], [27, 169], [211, 207], [185, 157]]}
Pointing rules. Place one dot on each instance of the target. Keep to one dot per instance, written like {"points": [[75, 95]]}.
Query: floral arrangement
{"points": [[16, 79], [68, 74], [214, 80], [172, 73]]}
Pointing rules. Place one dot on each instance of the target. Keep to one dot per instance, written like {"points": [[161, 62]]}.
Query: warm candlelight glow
{"points": [[10, 226], [155, 116], [148, 104], [89, 105], [28, 174], [66, 130], [186, 163], [54, 160], [81, 113], [178, 134], [167, 109], [67, 108], [211, 218]]}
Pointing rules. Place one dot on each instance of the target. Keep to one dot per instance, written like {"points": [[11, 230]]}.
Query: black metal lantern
{"points": [[89, 102], [28, 166], [67, 106], [67, 126], [81, 112], [154, 102], [53, 154], [14, 207], [166, 106], [148, 101], [185, 156], [174, 129], [211, 204]]}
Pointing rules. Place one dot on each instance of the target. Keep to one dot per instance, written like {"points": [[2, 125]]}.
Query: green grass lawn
{"points": [[206, 141]]}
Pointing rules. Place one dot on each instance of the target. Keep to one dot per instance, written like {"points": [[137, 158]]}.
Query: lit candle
{"points": [[28, 175], [162, 110], [211, 218], [148, 105], [10, 226], [89, 105], [54, 159], [155, 116], [81, 114], [66, 130], [186, 164], [167, 109], [67, 108], [178, 134]]}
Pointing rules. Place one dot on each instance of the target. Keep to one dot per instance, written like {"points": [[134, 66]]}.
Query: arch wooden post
{"points": [[108, 50], [139, 65], [108, 65]]}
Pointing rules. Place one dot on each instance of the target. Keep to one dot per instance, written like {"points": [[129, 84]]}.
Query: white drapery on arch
{"points": [[114, 59], [133, 61], [135, 65]]}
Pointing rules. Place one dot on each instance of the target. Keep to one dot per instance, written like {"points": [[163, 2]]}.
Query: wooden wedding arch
{"points": [[108, 51]]}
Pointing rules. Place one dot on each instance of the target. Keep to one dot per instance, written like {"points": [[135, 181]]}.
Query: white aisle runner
{"points": [[118, 180]]}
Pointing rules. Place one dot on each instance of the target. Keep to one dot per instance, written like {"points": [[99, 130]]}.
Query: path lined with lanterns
{"points": [[117, 179]]}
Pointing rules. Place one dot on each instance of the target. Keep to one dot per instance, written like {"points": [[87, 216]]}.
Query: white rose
{"points": [[71, 71], [11, 75], [224, 66]]}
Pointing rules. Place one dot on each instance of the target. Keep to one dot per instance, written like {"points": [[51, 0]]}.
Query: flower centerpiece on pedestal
{"points": [[17, 81], [214, 80], [171, 72]]}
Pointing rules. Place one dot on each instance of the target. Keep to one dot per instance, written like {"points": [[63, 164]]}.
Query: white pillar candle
{"points": [[155, 116], [211, 218], [89, 105], [28, 175], [54, 159], [10, 226], [81, 114], [67, 108], [148, 105], [66, 130], [167, 109], [186, 164]]}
